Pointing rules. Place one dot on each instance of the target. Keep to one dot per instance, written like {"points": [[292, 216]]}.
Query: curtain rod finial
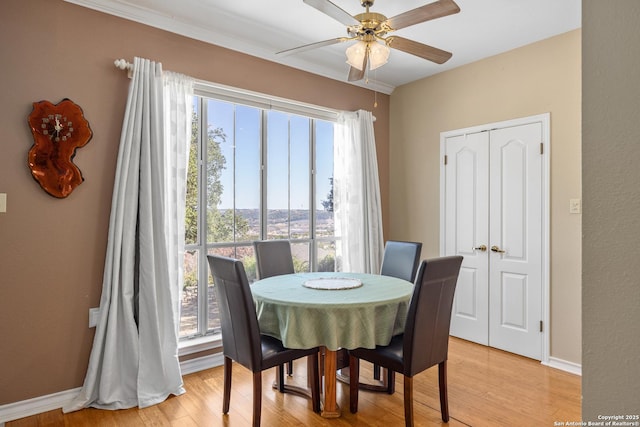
{"points": [[124, 65]]}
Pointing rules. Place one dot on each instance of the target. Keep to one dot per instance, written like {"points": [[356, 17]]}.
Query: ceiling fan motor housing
{"points": [[371, 24]]}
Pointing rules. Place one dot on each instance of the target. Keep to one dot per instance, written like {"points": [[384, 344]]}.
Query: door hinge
{"points": [[541, 326], [541, 148], [445, 159]]}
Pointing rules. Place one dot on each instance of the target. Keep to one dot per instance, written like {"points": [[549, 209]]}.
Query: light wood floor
{"points": [[487, 387]]}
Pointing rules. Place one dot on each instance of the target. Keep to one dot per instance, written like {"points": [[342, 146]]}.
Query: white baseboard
{"points": [[563, 365], [38, 405], [201, 363]]}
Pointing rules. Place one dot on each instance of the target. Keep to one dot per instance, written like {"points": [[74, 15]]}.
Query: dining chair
{"points": [[241, 338], [425, 341], [400, 259], [273, 258]]}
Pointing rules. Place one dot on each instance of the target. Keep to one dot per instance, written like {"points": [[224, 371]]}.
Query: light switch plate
{"points": [[575, 206], [3, 202]]}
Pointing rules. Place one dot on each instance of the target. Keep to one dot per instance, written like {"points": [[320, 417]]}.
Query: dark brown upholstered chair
{"points": [[425, 341], [241, 338], [400, 260], [273, 258]]}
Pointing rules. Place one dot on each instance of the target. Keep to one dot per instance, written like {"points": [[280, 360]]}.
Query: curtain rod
{"points": [[124, 65]]}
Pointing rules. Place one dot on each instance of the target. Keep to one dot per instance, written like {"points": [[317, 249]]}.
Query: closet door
{"points": [[467, 233], [493, 217], [515, 240]]}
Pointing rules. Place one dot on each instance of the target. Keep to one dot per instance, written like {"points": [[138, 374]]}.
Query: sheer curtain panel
{"points": [[134, 359], [358, 211]]}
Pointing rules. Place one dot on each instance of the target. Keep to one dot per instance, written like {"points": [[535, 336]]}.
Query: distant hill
{"points": [[282, 215]]}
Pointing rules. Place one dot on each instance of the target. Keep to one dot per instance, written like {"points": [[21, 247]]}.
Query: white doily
{"points": [[332, 283]]}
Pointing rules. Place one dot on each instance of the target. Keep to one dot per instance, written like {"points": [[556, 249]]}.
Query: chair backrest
{"points": [[426, 333], [238, 320], [401, 259], [273, 258]]}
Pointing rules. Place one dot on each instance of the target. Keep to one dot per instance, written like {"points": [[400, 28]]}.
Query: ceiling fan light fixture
{"points": [[378, 55], [355, 54]]}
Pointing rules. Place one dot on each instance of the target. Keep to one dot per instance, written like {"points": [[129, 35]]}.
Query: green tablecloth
{"points": [[348, 318]]}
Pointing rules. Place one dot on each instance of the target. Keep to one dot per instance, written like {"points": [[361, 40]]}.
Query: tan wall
{"points": [[51, 250], [538, 78], [611, 177]]}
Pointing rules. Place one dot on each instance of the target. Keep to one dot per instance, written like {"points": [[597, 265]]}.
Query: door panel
{"points": [[466, 200], [515, 227], [513, 289]]}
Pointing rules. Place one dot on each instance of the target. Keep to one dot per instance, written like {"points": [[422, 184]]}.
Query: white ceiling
{"points": [[483, 28]]}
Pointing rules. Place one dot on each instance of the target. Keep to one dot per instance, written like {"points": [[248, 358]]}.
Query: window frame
{"points": [[202, 342]]}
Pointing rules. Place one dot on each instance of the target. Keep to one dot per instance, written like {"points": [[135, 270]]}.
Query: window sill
{"points": [[197, 345]]}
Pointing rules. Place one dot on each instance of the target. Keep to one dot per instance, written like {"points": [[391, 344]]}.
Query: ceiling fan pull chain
{"points": [[375, 92]]}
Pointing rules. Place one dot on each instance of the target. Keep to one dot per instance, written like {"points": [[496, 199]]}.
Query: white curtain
{"points": [[134, 359], [357, 207]]}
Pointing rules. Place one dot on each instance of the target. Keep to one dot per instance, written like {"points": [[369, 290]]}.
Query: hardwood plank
{"points": [[186, 421], [487, 387], [173, 410]]}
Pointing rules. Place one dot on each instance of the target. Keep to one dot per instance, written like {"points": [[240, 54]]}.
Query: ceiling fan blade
{"points": [[418, 49], [328, 8], [424, 13], [355, 74], [310, 46]]}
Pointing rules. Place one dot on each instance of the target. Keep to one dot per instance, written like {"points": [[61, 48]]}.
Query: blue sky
{"points": [[288, 144]]}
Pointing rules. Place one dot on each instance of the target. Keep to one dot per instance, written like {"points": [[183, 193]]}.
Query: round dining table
{"points": [[334, 310]]}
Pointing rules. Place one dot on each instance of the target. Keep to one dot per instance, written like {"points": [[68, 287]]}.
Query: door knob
{"points": [[497, 249], [480, 248]]}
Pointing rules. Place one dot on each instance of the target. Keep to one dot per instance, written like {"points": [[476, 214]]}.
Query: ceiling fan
{"points": [[370, 29]]}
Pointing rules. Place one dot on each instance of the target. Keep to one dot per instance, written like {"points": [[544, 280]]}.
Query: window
{"points": [[254, 173]]}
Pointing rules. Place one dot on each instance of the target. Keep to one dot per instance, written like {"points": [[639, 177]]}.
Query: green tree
{"points": [[220, 223], [191, 212], [328, 263], [328, 204]]}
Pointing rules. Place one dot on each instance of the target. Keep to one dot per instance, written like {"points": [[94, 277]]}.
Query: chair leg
{"points": [[444, 402], [257, 398], [408, 401], [290, 368], [313, 375], [280, 374], [376, 372], [354, 375], [226, 399], [391, 381]]}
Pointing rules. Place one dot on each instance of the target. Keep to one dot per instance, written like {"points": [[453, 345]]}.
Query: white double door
{"points": [[493, 213]]}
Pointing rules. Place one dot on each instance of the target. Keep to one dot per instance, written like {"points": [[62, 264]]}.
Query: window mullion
{"points": [[235, 175], [312, 199], [289, 176], [203, 227], [264, 166]]}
